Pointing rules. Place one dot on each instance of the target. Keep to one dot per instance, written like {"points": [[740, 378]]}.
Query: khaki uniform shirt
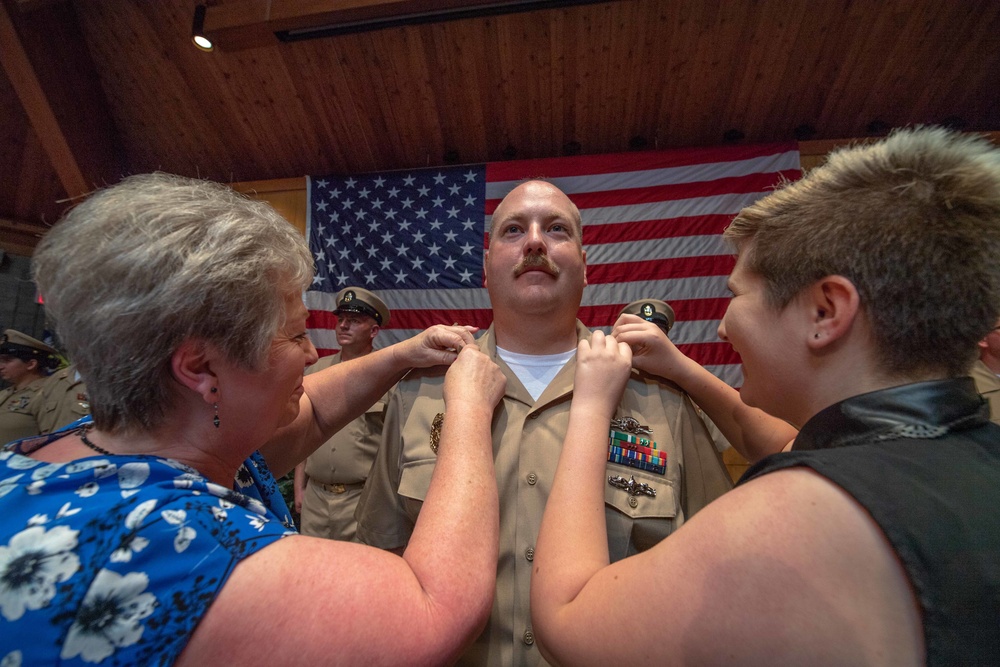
{"points": [[988, 384], [337, 470], [16, 420], [62, 400], [527, 440]]}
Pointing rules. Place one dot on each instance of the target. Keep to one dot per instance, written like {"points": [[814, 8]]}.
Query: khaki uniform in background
{"points": [[527, 440], [62, 400], [988, 384], [336, 472], [16, 419]]}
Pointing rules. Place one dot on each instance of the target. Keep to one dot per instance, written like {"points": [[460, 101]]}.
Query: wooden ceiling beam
{"points": [[19, 237], [240, 24], [36, 105]]}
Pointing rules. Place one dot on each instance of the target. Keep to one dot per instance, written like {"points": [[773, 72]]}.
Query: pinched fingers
{"points": [[438, 345], [474, 377], [602, 367]]}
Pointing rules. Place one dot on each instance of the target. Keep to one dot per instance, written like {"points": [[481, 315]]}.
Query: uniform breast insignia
{"points": [[629, 446], [632, 487], [436, 431], [630, 425], [20, 404]]}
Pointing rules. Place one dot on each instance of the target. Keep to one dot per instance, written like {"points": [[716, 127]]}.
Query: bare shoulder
{"points": [[786, 569], [801, 566]]}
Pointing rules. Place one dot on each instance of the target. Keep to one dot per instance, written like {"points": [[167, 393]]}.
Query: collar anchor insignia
{"points": [[632, 487]]}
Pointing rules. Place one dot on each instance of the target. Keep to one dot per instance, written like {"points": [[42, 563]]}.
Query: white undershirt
{"points": [[535, 371]]}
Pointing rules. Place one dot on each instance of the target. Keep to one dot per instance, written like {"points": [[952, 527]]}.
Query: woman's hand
{"points": [[474, 378], [435, 346], [603, 366], [652, 351]]}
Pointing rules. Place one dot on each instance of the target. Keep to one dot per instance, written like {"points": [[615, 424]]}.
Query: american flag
{"points": [[652, 224]]}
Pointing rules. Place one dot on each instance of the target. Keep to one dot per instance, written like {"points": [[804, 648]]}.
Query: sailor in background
{"points": [[329, 483], [24, 363]]}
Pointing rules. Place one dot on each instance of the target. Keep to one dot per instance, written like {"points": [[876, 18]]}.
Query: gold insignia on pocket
{"points": [[436, 431]]}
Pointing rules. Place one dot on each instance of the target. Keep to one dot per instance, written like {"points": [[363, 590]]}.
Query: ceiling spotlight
{"points": [[733, 135], [637, 143], [572, 148], [804, 132], [198, 30]]}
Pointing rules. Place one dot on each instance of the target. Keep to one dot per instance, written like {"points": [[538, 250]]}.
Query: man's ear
{"points": [[191, 365], [486, 256], [834, 304], [31, 364], [374, 332], [584, 266]]}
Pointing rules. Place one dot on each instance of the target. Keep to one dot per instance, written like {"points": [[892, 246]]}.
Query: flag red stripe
{"points": [[699, 225], [711, 354], [416, 319], [660, 269], [321, 319], [515, 170]]}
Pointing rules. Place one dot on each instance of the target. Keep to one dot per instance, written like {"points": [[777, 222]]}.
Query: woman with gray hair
{"points": [[126, 540]]}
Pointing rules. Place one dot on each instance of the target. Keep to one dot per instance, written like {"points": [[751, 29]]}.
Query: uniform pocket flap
{"points": [[415, 478], [634, 501]]}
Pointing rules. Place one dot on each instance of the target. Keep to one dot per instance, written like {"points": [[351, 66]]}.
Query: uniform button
{"points": [[529, 637], [529, 554], [633, 502], [532, 478], [533, 415]]}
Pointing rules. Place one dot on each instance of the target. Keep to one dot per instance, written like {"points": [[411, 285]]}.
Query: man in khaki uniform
{"points": [[328, 484], [535, 274], [986, 371], [61, 401], [23, 363]]}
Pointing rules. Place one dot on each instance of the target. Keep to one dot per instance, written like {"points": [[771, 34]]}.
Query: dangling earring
{"points": [[215, 406]]}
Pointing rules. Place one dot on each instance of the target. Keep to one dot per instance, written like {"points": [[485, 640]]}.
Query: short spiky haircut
{"points": [[913, 221], [141, 266]]}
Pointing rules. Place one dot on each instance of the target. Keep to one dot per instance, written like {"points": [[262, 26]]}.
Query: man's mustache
{"points": [[536, 262]]}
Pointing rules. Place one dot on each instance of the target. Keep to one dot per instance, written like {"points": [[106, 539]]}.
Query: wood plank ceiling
{"points": [[127, 92]]}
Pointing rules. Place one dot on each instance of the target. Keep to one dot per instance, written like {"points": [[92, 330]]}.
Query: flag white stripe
{"points": [[728, 204], [702, 287], [696, 173], [657, 249]]}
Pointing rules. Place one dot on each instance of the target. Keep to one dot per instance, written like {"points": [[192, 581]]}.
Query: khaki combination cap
{"points": [[652, 310], [16, 344], [359, 300]]}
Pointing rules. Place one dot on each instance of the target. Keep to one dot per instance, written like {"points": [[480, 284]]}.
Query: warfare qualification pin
{"points": [[631, 487], [631, 425]]}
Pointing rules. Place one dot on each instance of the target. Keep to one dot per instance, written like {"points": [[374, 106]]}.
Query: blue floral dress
{"points": [[114, 559]]}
